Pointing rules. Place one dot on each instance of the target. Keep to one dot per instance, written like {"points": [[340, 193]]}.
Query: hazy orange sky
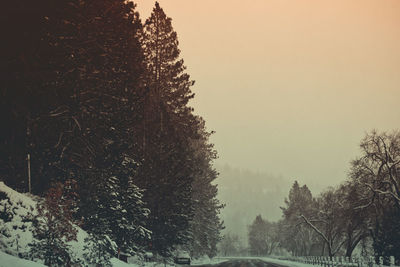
{"points": [[291, 86]]}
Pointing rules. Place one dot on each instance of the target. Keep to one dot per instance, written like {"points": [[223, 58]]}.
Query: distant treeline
{"points": [[96, 96], [363, 212]]}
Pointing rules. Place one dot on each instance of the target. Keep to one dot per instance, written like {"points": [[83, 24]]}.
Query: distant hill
{"points": [[247, 194]]}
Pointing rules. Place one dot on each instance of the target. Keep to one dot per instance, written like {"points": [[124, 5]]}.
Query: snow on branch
{"points": [[397, 198], [315, 228]]}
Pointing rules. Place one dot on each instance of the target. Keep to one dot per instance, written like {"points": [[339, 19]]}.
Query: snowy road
{"points": [[242, 263]]}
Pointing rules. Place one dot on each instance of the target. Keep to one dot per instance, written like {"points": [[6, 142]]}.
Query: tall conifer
{"points": [[167, 169]]}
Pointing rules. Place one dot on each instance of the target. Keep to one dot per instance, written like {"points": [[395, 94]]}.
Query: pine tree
{"points": [[99, 249], [263, 237], [169, 85], [206, 224], [298, 237], [73, 76], [117, 209], [133, 237], [99, 100], [166, 171], [257, 237], [84, 102]]}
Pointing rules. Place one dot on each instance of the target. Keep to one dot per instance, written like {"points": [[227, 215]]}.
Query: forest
{"points": [[360, 216], [95, 118], [97, 127]]}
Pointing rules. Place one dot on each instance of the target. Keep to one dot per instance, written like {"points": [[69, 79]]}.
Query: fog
{"points": [[247, 194], [290, 87], [244, 200], [189, 131]]}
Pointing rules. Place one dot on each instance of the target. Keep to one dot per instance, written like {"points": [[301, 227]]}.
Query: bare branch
{"points": [[397, 198], [315, 229], [339, 247]]}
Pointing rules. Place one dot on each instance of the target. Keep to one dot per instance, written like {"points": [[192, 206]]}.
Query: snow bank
{"points": [[286, 262], [15, 196], [117, 263], [77, 247], [8, 261], [16, 214], [207, 261]]}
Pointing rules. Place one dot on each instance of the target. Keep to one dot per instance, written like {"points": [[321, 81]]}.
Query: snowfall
{"points": [[15, 236]]}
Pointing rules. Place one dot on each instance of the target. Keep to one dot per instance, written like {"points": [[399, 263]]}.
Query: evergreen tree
{"points": [[263, 237], [257, 237], [299, 237], [78, 113], [117, 210], [206, 224], [166, 172], [94, 98], [99, 249], [67, 88]]}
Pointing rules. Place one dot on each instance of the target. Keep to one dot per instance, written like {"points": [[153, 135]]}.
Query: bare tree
{"points": [[377, 170], [376, 175], [354, 220], [326, 222]]}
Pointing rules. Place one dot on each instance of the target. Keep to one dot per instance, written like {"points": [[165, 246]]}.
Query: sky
{"points": [[291, 86]]}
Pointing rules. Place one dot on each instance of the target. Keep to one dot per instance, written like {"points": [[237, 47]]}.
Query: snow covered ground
{"points": [[207, 260], [7, 260], [16, 212], [15, 226]]}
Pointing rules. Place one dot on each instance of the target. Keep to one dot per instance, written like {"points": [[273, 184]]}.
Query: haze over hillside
{"points": [[247, 194]]}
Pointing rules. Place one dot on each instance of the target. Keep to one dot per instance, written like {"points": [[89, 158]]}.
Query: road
{"points": [[242, 263]]}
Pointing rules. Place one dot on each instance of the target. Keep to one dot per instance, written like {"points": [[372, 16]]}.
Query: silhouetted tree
{"points": [[206, 224], [300, 237], [167, 170], [376, 175]]}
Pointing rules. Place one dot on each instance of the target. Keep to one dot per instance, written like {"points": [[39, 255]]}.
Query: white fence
{"points": [[345, 261]]}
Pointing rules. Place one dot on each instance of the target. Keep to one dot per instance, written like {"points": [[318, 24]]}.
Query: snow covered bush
{"points": [[18, 234], [16, 212], [99, 249], [53, 229]]}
